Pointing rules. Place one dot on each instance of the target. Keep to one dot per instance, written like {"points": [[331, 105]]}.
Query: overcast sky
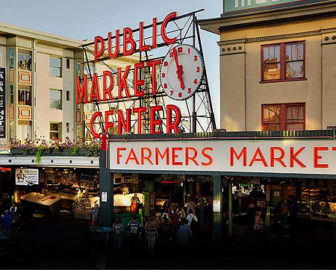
{"points": [[83, 19]]}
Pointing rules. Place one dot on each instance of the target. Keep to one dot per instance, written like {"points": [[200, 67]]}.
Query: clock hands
{"points": [[179, 69]]}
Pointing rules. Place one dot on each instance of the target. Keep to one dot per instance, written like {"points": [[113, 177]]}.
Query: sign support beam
{"points": [[106, 191]]}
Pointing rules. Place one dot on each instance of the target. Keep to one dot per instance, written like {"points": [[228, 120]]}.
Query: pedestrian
{"points": [[6, 221], [191, 205], [151, 233], [135, 202], [13, 209], [134, 233], [250, 219], [181, 212], [183, 238], [284, 215], [191, 218], [258, 227], [118, 231], [95, 215], [202, 205]]}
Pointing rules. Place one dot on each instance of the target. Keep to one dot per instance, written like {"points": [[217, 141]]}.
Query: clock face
{"points": [[182, 71]]}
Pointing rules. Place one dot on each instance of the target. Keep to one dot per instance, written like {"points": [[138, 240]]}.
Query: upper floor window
{"points": [[24, 59], [283, 116], [55, 99], [55, 66], [283, 62], [24, 95], [89, 69], [11, 57]]}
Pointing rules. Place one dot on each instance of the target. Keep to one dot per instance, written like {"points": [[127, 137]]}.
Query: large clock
{"points": [[182, 72]]}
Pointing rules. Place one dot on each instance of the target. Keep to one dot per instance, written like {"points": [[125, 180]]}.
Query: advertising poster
{"points": [[2, 103], [26, 177]]}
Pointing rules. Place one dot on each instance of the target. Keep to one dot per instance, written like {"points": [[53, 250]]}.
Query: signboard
{"points": [[25, 177], [216, 206], [241, 5], [104, 196], [2, 103], [264, 156]]}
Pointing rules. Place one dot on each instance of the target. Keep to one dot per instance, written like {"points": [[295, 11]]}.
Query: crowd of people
{"points": [[175, 223]]}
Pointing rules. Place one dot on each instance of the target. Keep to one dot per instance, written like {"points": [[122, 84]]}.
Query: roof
{"points": [[60, 41], [231, 20]]}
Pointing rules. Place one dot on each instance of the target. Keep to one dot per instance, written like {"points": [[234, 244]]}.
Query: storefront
{"points": [[273, 166]]}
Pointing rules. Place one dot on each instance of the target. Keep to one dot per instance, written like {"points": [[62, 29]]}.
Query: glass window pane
{"points": [[271, 113], [300, 52], [271, 54], [295, 70], [55, 62], [295, 126], [272, 127], [272, 71], [55, 72]]}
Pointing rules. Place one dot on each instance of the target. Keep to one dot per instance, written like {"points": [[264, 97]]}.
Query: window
{"points": [[67, 95], [55, 99], [78, 68], [24, 95], [283, 62], [55, 67], [24, 59], [55, 130], [11, 100], [67, 127], [283, 117], [11, 57], [68, 63]]}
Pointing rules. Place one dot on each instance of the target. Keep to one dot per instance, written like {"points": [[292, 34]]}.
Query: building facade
{"points": [[277, 66]]}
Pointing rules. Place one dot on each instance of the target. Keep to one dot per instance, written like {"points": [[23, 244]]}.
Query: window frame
{"points": [[59, 131], [283, 114], [283, 62], [60, 90], [61, 67]]}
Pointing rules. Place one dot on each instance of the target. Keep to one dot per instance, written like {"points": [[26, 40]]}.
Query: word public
{"points": [[129, 46]]}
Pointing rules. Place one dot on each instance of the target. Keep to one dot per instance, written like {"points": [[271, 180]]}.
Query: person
{"points": [[134, 232], [258, 227], [191, 218], [191, 205], [20, 176], [118, 230], [6, 221], [151, 232], [95, 215], [13, 209], [284, 215], [250, 219], [134, 203], [184, 237], [202, 205], [180, 212]]}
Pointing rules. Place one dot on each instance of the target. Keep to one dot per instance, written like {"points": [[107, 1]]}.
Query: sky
{"points": [[84, 19]]}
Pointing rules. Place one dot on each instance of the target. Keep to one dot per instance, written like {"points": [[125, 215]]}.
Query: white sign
{"points": [[216, 206], [25, 177], [263, 156], [104, 196]]}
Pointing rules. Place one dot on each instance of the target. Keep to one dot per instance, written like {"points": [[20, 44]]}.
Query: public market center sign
{"points": [[287, 156]]}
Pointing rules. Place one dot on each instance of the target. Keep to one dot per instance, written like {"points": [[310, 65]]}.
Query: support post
{"points": [[217, 211], [106, 189], [230, 207]]}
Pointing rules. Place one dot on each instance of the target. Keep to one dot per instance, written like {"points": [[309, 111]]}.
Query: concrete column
{"points": [[106, 188], [217, 215]]}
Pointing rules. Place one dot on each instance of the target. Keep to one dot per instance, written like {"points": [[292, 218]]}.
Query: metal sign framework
{"points": [[197, 112]]}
